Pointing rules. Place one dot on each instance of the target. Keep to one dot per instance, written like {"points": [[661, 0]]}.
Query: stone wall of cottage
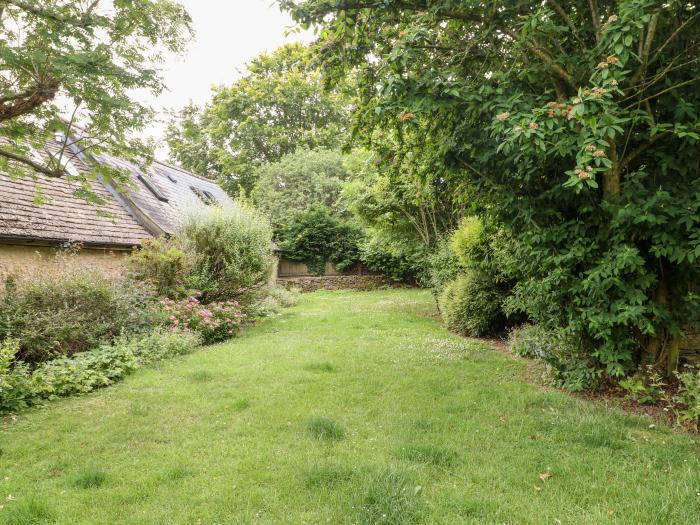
{"points": [[22, 262]]}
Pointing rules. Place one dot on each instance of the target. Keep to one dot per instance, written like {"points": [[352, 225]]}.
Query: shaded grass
{"points": [[417, 406], [319, 367]]}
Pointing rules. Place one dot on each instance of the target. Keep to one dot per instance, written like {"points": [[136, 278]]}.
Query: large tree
{"points": [[300, 180], [575, 124], [280, 104], [73, 66]]}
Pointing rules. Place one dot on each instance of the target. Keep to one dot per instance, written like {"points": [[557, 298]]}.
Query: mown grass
{"points": [[429, 428]]}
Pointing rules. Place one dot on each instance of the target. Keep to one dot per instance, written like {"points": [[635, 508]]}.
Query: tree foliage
{"points": [[299, 180], [279, 105], [79, 62], [574, 125]]}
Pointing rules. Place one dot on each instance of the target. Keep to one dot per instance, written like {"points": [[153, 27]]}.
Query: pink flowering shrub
{"points": [[214, 322]]}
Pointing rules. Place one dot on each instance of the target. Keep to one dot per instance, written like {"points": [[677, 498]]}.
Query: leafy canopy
{"points": [[69, 62], [299, 180], [278, 106]]}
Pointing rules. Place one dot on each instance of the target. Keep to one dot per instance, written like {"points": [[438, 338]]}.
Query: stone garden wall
{"points": [[334, 282]]}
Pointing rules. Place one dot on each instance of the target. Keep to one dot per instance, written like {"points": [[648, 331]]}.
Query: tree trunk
{"points": [[612, 177]]}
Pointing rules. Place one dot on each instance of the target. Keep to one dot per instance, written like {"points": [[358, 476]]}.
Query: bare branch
{"points": [[676, 86], [672, 37], [645, 50]]}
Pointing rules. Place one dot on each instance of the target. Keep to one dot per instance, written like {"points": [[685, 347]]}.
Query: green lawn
{"points": [[349, 408]]}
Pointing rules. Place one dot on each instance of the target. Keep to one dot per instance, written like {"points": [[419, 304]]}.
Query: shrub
{"points": [[442, 266], [270, 301], [232, 251], [167, 265], [15, 391], [468, 240], [645, 387], [86, 371], [471, 305], [214, 322], [568, 366], [399, 258], [60, 314], [688, 396], [317, 236], [284, 297]]}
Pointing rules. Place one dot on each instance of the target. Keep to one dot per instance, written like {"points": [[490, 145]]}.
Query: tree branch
{"points": [[645, 50], [672, 37], [28, 101], [55, 173], [547, 59], [82, 21], [595, 17], [642, 148], [676, 86], [559, 9]]}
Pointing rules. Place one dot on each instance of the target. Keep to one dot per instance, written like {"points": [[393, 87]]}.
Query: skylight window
{"points": [[205, 196], [155, 190]]}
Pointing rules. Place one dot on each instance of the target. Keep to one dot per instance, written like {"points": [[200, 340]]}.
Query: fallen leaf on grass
{"points": [[537, 488], [545, 476]]}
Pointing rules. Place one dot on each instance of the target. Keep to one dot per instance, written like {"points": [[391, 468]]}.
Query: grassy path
{"points": [[349, 408]]}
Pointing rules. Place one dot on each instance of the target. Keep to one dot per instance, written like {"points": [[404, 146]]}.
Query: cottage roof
{"points": [[157, 201], [166, 194], [65, 216]]}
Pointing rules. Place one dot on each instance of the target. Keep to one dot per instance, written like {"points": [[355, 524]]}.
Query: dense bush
{"points": [[316, 236], [468, 241], [568, 366], [166, 264], [214, 322], [60, 314], [471, 304], [398, 258], [232, 252], [84, 372]]}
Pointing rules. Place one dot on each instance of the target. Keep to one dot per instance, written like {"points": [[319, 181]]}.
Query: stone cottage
{"points": [[31, 234]]}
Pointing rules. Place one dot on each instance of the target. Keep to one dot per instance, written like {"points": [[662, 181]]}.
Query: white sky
{"points": [[229, 33]]}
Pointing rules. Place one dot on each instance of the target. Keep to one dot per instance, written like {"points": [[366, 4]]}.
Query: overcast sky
{"points": [[229, 33]]}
